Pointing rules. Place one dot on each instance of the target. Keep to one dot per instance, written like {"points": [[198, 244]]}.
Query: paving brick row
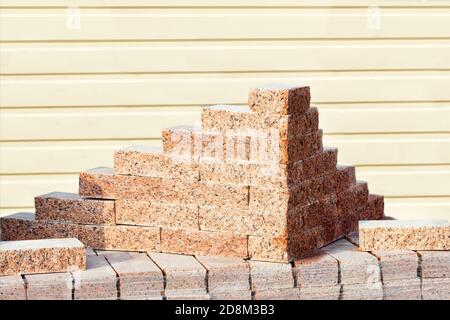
{"points": [[434, 264], [404, 289], [12, 288], [320, 293], [398, 264], [319, 269], [49, 286], [436, 288], [269, 275]]}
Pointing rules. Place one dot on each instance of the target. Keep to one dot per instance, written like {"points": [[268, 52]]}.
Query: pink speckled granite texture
{"points": [[63, 206], [279, 99], [12, 288], [41, 256], [49, 286]]}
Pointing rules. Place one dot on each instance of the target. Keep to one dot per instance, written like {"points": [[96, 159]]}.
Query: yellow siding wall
{"points": [[78, 82]]}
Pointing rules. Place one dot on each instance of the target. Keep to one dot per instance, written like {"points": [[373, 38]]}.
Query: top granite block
{"points": [[279, 99], [404, 234]]}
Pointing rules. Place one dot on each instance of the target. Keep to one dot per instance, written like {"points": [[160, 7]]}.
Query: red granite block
{"points": [[12, 288], [178, 141], [374, 209], [63, 206], [279, 99]]}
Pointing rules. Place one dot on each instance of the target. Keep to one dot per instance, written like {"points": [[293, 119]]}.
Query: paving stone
{"points": [[434, 264], [231, 295], [277, 294], [49, 286], [23, 226], [139, 276], [356, 267], [155, 214], [398, 264], [97, 282], [270, 275], [226, 274], [362, 291], [102, 183], [71, 207], [405, 289], [41, 256], [279, 99], [188, 296], [242, 119], [318, 269], [320, 293], [404, 234], [151, 161], [184, 275], [436, 288], [199, 242], [12, 288]]}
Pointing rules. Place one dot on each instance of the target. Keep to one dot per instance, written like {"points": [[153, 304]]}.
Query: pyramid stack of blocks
{"points": [[252, 182]]}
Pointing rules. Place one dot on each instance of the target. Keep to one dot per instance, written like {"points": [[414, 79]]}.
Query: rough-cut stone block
{"points": [[49, 286], [318, 269], [139, 276], [151, 161], [278, 294], [434, 264], [237, 221], [199, 242], [436, 289], [268, 248], [102, 183], [12, 288], [97, 282], [270, 275], [226, 274], [155, 214], [229, 173], [374, 209], [291, 150], [397, 264], [23, 226], [63, 206], [405, 289], [241, 119], [356, 267], [279, 99], [40, 256], [362, 291], [404, 234], [320, 293], [178, 141], [184, 275]]}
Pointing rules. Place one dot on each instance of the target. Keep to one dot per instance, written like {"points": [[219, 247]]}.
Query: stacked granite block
{"points": [[435, 274], [252, 182]]}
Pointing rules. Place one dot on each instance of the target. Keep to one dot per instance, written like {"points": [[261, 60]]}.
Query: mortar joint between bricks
{"points": [[25, 286], [117, 277], [206, 274], [419, 272]]}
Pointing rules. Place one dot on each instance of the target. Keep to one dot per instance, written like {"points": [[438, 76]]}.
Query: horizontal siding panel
{"points": [[73, 156], [126, 58], [418, 208], [110, 24], [60, 91], [130, 123], [222, 3]]}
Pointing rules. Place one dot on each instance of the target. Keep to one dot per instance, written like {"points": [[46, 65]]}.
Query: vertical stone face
{"points": [[318, 269], [398, 264], [405, 289], [404, 234], [140, 277], [269, 275], [279, 99], [40, 256], [49, 286], [63, 206], [436, 289], [12, 288], [434, 264]]}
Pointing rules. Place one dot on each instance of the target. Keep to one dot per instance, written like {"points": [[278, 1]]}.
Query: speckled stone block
{"points": [[318, 269], [320, 293], [102, 183], [356, 267], [23, 226], [436, 288], [226, 274], [140, 277], [405, 289], [97, 282], [151, 161], [270, 275], [231, 295], [279, 99], [188, 295], [374, 209], [179, 141], [199, 242], [12, 288], [63, 206], [242, 119], [362, 291], [274, 249], [49, 286], [434, 264], [404, 234], [398, 264], [291, 150], [230, 173], [277, 294], [245, 222], [40, 256], [155, 214], [184, 275]]}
